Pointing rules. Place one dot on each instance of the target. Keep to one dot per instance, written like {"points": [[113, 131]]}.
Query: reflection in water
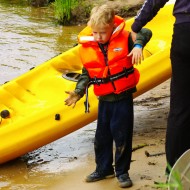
{"points": [[30, 36]]}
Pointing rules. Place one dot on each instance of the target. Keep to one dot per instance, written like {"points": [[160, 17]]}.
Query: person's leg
{"points": [[178, 128], [122, 131], [103, 145]]}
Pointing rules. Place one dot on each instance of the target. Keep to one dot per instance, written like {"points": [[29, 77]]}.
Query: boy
{"points": [[108, 65]]}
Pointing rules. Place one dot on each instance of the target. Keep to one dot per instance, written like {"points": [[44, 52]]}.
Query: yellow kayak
{"points": [[32, 110]]}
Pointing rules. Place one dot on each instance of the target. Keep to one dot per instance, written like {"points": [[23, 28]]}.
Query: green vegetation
{"points": [[175, 184], [69, 12], [63, 10]]}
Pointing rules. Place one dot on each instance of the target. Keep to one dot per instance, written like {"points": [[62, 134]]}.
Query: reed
{"points": [[63, 10], [176, 184]]}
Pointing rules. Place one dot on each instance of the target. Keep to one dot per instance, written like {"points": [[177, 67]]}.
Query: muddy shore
{"points": [[151, 111]]}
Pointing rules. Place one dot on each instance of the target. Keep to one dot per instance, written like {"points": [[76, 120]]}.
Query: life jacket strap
{"points": [[125, 73]]}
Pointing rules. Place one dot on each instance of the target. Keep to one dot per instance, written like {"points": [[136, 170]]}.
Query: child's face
{"points": [[102, 33]]}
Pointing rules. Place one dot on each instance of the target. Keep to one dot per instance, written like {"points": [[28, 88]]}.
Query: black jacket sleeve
{"points": [[149, 9]]}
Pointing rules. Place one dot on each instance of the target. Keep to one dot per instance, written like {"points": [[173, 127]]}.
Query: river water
{"points": [[28, 37]]}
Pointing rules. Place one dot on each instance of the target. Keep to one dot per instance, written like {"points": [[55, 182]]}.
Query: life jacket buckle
{"points": [[97, 81], [126, 72]]}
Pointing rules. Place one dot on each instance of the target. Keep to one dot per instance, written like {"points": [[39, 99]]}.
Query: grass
{"points": [[175, 183], [63, 10]]}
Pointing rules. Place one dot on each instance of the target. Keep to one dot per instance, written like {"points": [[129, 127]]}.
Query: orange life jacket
{"points": [[111, 71]]}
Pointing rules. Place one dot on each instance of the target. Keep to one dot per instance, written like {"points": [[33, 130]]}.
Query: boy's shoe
{"points": [[124, 180], [96, 176]]}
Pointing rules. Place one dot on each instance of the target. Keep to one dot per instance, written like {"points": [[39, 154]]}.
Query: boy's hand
{"points": [[72, 99], [137, 55]]}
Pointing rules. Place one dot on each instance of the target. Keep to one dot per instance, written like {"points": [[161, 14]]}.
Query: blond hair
{"points": [[101, 15]]}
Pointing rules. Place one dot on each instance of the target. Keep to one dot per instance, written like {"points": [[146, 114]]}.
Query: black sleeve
{"points": [[149, 9]]}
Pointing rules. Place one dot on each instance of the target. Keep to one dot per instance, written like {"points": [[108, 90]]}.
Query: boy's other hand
{"points": [[72, 99], [137, 55]]}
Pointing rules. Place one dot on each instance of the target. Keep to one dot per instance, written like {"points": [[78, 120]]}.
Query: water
{"points": [[28, 37]]}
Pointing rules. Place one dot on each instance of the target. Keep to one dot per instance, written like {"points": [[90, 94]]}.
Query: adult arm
{"points": [[149, 9]]}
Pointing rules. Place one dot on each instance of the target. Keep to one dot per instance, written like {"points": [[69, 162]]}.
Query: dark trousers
{"points": [[178, 129], [115, 123]]}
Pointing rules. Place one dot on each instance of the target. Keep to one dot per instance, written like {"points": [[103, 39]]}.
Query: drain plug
{"points": [[5, 114]]}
